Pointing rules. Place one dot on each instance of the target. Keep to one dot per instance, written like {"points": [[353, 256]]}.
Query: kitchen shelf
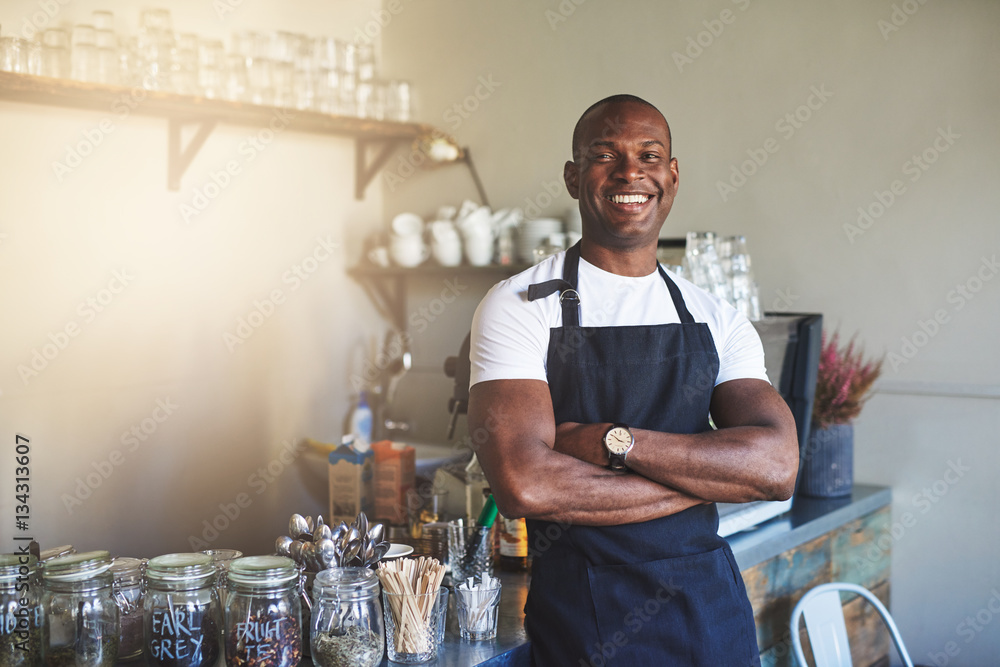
{"points": [[374, 140], [386, 286]]}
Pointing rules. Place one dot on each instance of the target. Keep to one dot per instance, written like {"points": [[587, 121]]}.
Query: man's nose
{"points": [[628, 169]]}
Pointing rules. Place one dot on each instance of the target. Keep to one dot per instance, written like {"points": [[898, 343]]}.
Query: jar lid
{"points": [[180, 567], [11, 564], [223, 554], [77, 567], [55, 552], [347, 583], [263, 569], [123, 566]]}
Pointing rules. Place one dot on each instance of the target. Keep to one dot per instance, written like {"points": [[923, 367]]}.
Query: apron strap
{"points": [[675, 293], [569, 298]]}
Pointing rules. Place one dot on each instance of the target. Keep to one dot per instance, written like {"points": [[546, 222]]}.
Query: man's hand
{"points": [[583, 441]]}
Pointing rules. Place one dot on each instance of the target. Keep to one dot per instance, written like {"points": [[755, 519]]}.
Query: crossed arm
{"points": [[540, 471]]}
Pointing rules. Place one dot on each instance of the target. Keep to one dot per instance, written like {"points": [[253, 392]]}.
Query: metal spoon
{"points": [[297, 525], [322, 533], [362, 523], [295, 551], [327, 553], [282, 545], [376, 533], [309, 521]]}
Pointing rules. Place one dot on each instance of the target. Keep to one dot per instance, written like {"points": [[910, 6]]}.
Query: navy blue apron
{"points": [[662, 592]]}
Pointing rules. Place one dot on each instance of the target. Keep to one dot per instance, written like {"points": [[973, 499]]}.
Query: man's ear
{"points": [[571, 175]]}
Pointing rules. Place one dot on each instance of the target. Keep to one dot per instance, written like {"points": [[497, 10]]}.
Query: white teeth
{"points": [[629, 199]]}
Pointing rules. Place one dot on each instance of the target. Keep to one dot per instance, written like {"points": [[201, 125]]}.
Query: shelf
{"points": [[386, 286], [375, 140]]}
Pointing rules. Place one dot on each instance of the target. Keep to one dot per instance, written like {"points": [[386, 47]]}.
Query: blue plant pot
{"points": [[828, 462]]}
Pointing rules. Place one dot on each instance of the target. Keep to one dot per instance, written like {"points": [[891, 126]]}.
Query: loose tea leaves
{"points": [[184, 636], [264, 640], [357, 647]]}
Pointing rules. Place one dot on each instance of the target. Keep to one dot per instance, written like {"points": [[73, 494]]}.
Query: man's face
{"points": [[623, 175]]}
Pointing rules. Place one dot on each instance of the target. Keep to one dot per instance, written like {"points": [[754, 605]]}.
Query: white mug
{"points": [[479, 250], [407, 224], [408, 251], [447, 250]]}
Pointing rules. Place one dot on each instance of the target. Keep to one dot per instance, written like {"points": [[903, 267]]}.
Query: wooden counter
{"points": [[818, 541]]}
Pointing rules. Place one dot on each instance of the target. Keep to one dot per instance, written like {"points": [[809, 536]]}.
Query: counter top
{"points": [[809, 518]]}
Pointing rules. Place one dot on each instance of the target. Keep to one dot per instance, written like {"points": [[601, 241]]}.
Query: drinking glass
{"points": [[84, 54], [184, 65], [477, 611], [702, 263], [235, 84], [108, 66], [12, 54], [398, 104], [211, 67], [55, 54], [365, 54], [412, 637], [103, 20], [155, 43]]}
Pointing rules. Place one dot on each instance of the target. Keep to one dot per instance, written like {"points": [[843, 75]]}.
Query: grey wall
{"points": [[159, 339], [887, 95]]}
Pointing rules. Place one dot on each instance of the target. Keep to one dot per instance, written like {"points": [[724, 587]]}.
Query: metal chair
{"points": [[826, 628]]}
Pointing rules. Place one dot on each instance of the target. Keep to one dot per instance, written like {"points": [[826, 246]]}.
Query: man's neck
{"points": [[632, 262]]}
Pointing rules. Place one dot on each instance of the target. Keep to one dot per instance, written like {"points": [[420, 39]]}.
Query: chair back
{"points": [[824, 616]]}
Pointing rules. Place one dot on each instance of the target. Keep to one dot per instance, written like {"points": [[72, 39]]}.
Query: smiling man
{"points": [[606, 367]]}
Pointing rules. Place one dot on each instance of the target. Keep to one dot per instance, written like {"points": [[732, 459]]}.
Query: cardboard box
{"points": [[352, 488], [395, 474]]}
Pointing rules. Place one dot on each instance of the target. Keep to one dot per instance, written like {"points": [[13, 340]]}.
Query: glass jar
{"points": [[80, 617], [127, 589], [20, 614], [347, 626], [263, 612], [221, 558], [183, 615], [56, 552]]}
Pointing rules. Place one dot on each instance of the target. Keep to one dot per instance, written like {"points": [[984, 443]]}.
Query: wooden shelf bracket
{"points": [[364, 172], [178, 158]]}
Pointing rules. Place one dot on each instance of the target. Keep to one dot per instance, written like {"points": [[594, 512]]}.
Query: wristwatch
{"points": [[618, 440]]}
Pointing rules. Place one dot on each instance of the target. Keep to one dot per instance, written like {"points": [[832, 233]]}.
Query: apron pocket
{"points": [[686, 611]]}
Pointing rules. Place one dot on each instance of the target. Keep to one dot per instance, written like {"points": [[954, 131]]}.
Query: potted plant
{"points": [[843, 385]]}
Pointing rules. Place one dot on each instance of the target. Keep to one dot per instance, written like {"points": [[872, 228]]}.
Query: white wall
{"points": [[160, 339], [885, 99]]}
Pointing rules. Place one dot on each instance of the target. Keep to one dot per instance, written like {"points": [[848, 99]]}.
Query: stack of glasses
{"points": [[723, 268], [282, 69]]}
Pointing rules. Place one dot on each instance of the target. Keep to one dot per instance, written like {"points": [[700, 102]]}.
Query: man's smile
{"points": [[629, 202]]}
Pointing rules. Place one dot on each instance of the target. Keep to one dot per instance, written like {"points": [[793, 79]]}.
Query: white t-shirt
{"points": [[510, 335]]}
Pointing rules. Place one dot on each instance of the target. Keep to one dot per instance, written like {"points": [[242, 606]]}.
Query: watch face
{"points": [[618, 440]]}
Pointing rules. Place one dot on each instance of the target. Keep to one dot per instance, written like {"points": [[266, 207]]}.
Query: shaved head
{"points": [[614, 99]]}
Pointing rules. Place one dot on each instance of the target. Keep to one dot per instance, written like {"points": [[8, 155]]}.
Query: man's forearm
{"points": [[568, 490], [728, 465]]}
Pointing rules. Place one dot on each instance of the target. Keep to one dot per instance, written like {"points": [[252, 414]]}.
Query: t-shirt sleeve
{"points": [[509, 336], [741, 354]]}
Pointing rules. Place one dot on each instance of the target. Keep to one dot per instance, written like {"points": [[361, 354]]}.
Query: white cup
{"points": [[408, 251], [407, 224], [447, 250], [479, 249]]}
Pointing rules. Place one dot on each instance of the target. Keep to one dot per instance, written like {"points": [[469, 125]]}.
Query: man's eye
{"points": [[651, 156]]}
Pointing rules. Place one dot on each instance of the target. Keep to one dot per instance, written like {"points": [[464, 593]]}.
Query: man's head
{"points": [[614, 99], [622, 172]]}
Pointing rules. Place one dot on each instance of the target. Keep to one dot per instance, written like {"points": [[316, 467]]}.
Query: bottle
{"points": [[513, 545], [361, 423]]}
